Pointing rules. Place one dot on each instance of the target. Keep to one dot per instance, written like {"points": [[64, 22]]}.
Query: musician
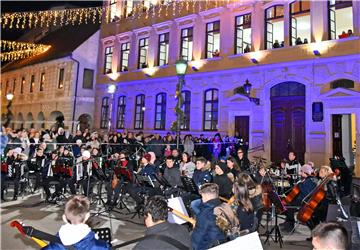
{"points": [[172, 172], [242, 160], [68, 178], [293, 166], [16, 167], [122, 172], [262, 176], [222, 180], [306, 186], [87, 174], [49, 176], [37, 163]]}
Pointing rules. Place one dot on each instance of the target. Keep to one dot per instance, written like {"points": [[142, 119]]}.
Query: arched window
{"points": [[300, 31], [185, 124], [274, 27], [104, 122], [139, 111], [160, 111], [211, 104], [342, 83], [288, 89], [340, 15], [120, 123]]}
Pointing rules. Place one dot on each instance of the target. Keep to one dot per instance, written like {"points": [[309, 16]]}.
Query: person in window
{"points": [[216, 53], [223, 181], [276, 44], [247, 49], [343, 35], [298, 41], [350, 33], [282, 44], [306, 41]]}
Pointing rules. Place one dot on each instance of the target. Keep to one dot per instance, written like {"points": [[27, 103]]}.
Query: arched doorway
{"points": [[84, 122], [56, 119], [20, 121], [41, 120], [287, 120], [30, 120]]}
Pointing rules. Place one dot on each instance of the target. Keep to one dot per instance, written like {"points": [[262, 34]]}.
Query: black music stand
{"points": [[189, 185], [279, 208]]}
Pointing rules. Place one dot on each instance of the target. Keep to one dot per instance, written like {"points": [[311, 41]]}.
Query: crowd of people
{"points": [[229, 195]]}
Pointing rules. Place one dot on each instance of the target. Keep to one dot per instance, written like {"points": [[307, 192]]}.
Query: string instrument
{"points": [[228, 201], [316, 197], [266, 188], [27, 230], [295, 191], [182, 216]]}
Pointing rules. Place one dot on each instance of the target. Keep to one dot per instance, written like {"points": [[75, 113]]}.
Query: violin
{"points": [[317, 196], [267, 188]]}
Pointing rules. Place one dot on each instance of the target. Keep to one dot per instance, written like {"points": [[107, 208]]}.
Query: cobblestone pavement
{"points": [[32, 211]]}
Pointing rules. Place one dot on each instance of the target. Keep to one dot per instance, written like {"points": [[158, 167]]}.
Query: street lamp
{"points": [[111, 89], [9, 97], [181, 67], [247, 90]]}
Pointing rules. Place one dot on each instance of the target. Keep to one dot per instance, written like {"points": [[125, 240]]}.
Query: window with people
{"points": [[340, 14], [124, 56], [113, 11], [143, 53], [108, 59], [160, 111], [213, 39], [243, 34], [300, 24], [274, 27]]}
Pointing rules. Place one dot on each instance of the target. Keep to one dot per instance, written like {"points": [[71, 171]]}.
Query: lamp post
{"points": [[181, 67], [9, 97], [111, 89]]}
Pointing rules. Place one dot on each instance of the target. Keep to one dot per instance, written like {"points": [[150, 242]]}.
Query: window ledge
{"points": [[237, 55], [163, 66], [214, 58]]}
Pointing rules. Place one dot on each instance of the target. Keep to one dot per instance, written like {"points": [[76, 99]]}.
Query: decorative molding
{"points": [[108, 40], [162, 27], [124, 37]]}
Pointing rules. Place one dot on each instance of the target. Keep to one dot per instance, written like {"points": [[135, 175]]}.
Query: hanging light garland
{"points": [[21, 50]]}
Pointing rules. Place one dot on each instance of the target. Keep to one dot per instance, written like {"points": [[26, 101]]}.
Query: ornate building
{"points": [[301, 59], [59, 82]]}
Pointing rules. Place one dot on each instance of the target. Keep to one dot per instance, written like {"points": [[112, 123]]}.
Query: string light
{"points": [[21, 50]]}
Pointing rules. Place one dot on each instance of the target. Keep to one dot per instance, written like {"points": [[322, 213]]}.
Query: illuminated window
{"points": [[113, 10], [120, 123], [128, 8], [104, 122], [186, 47], [139, 111], [23, 82], [108, 60], [340, 19], [124, 57], [143, 51], [61, 78], [185, 124], [211, 109], [14, 86], [32, 83], [274, 27], [160, 111], [42, 81], [163, 55], [212, 39], [243, 34], [300, 31]]}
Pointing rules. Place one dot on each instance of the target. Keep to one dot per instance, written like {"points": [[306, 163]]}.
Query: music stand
{"points": [[279, 209], [189, 185]]}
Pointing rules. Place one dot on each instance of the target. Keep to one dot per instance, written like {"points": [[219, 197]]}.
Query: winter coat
{"points": [[172, 175], [225, 185], [170, 230], [200, 177], [206, 233]]}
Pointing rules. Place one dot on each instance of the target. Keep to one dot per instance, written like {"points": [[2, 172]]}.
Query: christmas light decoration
{"points": [[21, 50]]}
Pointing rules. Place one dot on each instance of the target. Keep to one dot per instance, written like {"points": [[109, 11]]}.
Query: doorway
{"points": [[242, 127], [344, 137], [287, 120]]}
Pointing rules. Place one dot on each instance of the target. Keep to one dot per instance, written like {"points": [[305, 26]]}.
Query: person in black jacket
{"points": [[242, 160], [172, 173], [221, 178], [156, 213]]}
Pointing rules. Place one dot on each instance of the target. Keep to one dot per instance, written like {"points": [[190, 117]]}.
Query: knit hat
{"points": [[306, 168], [147, 156], [86, 154], [223, 166]]}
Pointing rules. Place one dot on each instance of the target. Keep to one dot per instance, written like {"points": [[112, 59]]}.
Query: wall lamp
{"points": [[246, 89], [316, 52], [254, 61]]}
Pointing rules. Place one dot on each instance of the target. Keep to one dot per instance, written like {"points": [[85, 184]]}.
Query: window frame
{"points": [[105, 109], [141, 105], [42, 82], [186, 108], [141, 48], [22, 84], [236, 52], [121, 108], [336, 5], [32, 84], [301, 11], [266, 19], [125, 47], [108, 56], [214, 103], [187, 39], [14, 86], [61, 78], [207, 34], [160, 109], [166, 45], [112, 7], [92, 78]]}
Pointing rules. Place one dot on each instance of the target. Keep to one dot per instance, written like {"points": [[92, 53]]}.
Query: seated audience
{"points": [[245, 209], [222, 180]]}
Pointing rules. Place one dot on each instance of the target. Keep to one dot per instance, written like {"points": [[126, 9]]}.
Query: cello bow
{"points": [[182, 216]]}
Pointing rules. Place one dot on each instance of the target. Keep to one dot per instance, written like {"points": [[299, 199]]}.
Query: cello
{"points": [[317, 196]]}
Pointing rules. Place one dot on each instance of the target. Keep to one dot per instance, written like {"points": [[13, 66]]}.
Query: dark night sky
{"points": [[15, 6]]}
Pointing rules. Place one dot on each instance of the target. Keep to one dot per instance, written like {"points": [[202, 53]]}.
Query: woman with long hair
{"points": [[245, 209], [233, 166], [187, 167]]}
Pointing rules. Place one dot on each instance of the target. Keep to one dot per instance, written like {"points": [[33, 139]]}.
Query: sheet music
{"points": [[249, 241], [177, 204]]}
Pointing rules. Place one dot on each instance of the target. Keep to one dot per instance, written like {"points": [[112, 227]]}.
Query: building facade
{"points": [[301, 59], [58, 83]]}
